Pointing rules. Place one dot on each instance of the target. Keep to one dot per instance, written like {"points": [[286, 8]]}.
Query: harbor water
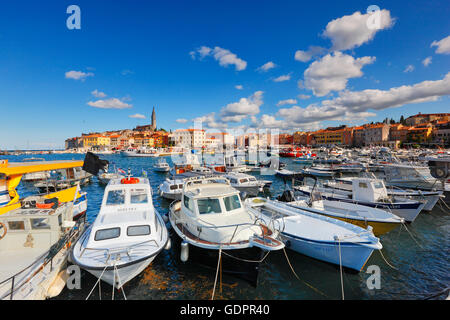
{"points": [[414, 263]]}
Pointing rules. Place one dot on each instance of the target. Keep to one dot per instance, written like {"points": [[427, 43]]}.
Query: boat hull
{"points": [[353, 256], [125, 274], [235, 263]]}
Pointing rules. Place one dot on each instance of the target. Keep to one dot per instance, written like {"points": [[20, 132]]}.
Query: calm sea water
{"points": [[421, 271]]}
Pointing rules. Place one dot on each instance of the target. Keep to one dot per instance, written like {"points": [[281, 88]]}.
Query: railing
{"points": [[236, 226], [110, 252], [47, 258]]}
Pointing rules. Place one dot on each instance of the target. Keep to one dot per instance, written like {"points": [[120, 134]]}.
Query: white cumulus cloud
{"points": [[112, 103], [267, 66], [352, 31], [285, 102], [331, 73], [98, 94], [224, 56], [137, 116], [443, 46], [285, 77], [312, 52], [78, 75], [427, 61]]}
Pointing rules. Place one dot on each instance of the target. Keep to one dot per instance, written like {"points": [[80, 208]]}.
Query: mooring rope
{"points": [[306, 283], [412, 236], [440, 205], [120, 282], [387, 261], [217, 272], [98, 281], [245, 260]]}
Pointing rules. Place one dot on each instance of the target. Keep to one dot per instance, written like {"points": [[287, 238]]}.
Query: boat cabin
{"points": [[126, 213], [370, 190]]}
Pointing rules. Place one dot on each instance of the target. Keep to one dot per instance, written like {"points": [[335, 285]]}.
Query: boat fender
{"points": [[58, 284], [165, 218], [184, 256], [168, 245], [3, 226]]}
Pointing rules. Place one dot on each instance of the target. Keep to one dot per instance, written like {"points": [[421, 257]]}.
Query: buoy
{"points": [[168, 245], [184, 251]]}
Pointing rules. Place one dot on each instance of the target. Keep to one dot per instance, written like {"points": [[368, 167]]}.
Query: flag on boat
{"points": [[121, 171], [92, 163]]}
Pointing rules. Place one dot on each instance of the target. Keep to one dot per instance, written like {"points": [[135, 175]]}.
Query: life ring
{"points": [[3, 226], [129, 180], [44, 205]]}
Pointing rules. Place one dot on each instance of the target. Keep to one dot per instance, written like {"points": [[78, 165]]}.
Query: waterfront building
{"points": [[189, 138], [426, 118], [376, 133]]}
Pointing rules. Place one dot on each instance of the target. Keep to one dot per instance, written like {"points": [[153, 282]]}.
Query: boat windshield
{"points": [[378, 185], [138, 196], [209, 205], [232, 202], [115, 197]]}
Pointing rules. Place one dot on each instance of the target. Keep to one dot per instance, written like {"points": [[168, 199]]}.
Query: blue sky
{"points": [[173, 55]]}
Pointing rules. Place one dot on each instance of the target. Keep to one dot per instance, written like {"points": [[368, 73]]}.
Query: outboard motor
{"points": [[287, 196]]}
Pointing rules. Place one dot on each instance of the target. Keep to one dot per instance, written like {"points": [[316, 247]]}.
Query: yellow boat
{"points": [[11, 174]]}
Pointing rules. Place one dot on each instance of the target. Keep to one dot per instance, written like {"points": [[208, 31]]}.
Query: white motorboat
{"points": [[245, 183], [127, 235], [285, 173], [106, 176], [161, 166], [317, 236], [171, 188], [409, 177], [319, 171], [429, 197], [63, 179], [380, 220], [372, 193], [140, 152], [211, 219]]}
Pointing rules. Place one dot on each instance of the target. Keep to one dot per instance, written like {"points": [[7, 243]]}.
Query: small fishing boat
{"points": [[126, 236], [161, 166], [63, 179], [372, 193], [317, 236], [211, 221], [140, 152], [35, 233], [429, 197], [409, 176], [106, 176], [245, 183], [380, 220], [319, 171], [284, 173]]}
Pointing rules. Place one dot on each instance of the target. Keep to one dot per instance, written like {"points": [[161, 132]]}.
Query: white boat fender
{"points": [[184, 256], [165, 218], [168, 245], [58, 284]]}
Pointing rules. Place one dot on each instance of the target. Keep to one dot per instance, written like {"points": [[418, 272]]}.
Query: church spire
{"points": [[154, 119]]}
